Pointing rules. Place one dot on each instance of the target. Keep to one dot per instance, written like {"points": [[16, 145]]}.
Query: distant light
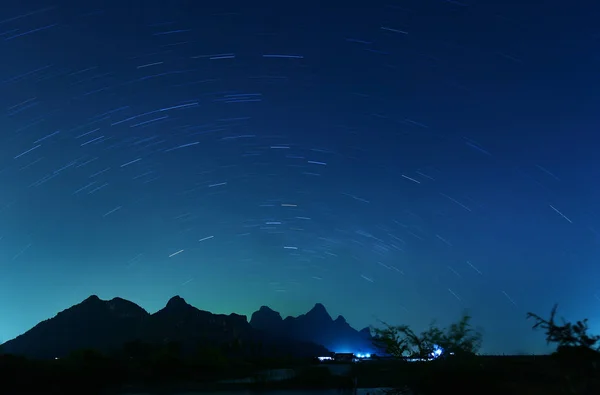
{"points": [[367, 355], [437, 351]]}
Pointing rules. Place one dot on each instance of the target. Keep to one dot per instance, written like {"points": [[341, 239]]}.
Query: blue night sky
{"points": [[395, 160]]}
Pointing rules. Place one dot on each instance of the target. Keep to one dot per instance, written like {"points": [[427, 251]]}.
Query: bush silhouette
{"points": [[401, 341], [568, 334], [577, 352]]}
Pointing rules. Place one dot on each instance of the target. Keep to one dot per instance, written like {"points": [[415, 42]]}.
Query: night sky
{"points": [[395, 160]]}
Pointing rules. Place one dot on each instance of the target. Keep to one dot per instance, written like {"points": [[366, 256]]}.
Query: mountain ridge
{"points": [[106, 325], [316, 325]]}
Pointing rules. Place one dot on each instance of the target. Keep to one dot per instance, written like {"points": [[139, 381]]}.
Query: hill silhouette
{"points": [[93, 323], [315, 326], [107, 325]]}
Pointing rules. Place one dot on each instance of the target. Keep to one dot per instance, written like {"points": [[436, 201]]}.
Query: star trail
{"points": [[400, 161]]}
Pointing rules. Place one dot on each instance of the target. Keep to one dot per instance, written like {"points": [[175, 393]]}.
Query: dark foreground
{"points": [[90, 373]]}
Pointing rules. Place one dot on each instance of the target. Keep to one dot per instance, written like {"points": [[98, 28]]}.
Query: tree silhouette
{"points": [[401, 341], [461, 338], [577, 352], [391, 339], [567, 334]]}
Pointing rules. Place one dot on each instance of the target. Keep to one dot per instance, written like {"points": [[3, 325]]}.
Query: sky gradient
{"points": [[395, 160]]}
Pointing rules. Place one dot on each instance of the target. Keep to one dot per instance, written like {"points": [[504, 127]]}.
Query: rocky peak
{"points": [[176, 302], [265, 317], [319, 312]]}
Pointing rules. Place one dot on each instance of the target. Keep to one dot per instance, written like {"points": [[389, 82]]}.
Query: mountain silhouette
{"points": [[316, 326], [180, 322], [93, 323], [108, 325]]}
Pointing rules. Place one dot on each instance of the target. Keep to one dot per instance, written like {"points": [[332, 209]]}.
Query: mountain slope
{"points": [[315, 326], [93, 323], [107, 326], [180, 322]]}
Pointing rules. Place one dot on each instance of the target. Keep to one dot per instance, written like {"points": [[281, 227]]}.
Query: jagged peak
{"points": [[176, 301], [266, 311], [340, 319], [264, 314], [319, 309]]}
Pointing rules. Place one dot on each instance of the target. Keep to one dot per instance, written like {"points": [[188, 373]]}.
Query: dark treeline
{"points": [[165, 367], [573, 369]]}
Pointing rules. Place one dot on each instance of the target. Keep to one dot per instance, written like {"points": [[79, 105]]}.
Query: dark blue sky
{"points": [[394, 160]]}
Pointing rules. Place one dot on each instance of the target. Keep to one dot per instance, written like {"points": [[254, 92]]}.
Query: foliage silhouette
{"points": [[573, 369], [401, 341], [577, 352], [391, 340], [567, 334]]}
